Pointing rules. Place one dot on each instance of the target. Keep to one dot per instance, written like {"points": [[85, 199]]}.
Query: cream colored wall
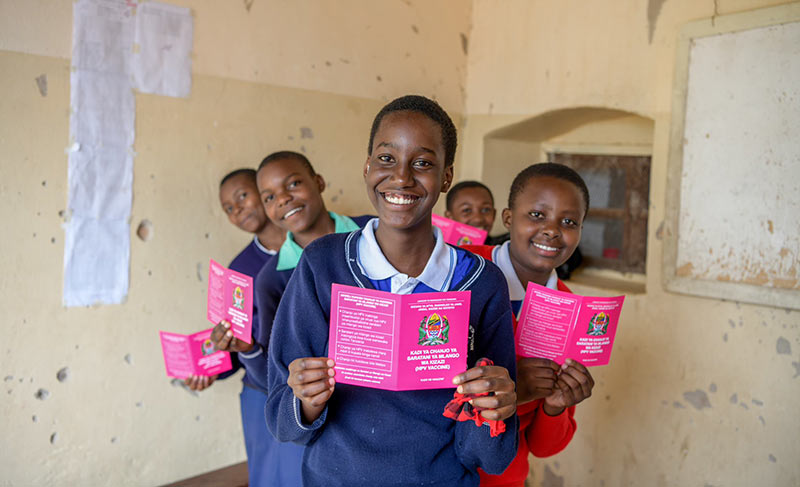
{"points": [[259, 77], [699, 391]]}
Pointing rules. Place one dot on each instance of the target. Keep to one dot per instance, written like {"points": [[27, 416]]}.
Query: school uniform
{"points": [[539, 433], [373, 437], [280, 462], [252, 398]]}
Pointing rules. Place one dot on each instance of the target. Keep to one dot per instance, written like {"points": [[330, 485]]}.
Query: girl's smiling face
{"points": [[240, 202], [291, 194], [545, 224], [473, 206], [406, 170]]}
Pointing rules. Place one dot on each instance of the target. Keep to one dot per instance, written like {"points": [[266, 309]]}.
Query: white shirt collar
{"points": [[437, 274], [502, 258], [261, 247]]}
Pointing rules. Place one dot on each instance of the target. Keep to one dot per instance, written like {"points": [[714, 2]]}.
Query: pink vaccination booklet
{"points": [[194, 354], [456, 233], [230, 297], [559, 325], [398, 342]]}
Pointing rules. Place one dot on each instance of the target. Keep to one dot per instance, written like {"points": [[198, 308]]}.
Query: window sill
{"points": [[601, 282]]}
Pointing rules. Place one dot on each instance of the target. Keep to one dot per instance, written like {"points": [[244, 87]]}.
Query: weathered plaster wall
{"points": [[261, 83], [699, 391]]}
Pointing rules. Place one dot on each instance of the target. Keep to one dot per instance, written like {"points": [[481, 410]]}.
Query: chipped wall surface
{"points": [[699, 391]]}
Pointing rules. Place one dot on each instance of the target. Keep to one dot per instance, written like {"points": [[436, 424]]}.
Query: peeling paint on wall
{"points": [[697, 398], [145, 230], [550, 478], [653, 11], [41, 83], [783, 347], [63, 374]]}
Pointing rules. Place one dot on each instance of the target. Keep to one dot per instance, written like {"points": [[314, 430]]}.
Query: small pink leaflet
{"points": [[230, 297], [458, 234], [194, 354], [559, 325]]}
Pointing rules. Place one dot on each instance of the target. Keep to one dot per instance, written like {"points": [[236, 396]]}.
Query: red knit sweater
{"points": [[539, 433]]}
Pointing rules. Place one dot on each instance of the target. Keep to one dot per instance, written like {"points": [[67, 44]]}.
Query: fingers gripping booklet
{"points": [[398, 342], [560, 325], [230, 297]]}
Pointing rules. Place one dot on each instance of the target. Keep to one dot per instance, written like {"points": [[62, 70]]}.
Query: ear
{"points": [[320, 183], [447, 179], [366, 167], [448, 214], [507, 218]]}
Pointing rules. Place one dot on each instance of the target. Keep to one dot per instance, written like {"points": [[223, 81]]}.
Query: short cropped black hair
{"points": [[250, 173], [553, 170], [427, 107], [287, 154], [451, 195]]}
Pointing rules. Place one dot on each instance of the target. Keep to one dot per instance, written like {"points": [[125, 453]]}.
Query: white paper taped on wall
{"points": [[162, 62], [102, 131]]}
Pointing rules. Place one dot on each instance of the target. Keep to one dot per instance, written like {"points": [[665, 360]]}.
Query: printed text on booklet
{"points": [[230, 297], [398, 342], [559, 325], [194, 354], [456, 233]]}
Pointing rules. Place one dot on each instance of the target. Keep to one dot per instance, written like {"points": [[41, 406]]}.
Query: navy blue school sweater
{"points": [[268, 288], [249, 261], [374, 437]]}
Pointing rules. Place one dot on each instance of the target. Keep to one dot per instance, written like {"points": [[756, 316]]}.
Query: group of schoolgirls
{"points": [[300, 426]]}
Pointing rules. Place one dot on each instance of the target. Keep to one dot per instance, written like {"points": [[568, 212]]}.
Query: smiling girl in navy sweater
{"points": [[362, 436]]}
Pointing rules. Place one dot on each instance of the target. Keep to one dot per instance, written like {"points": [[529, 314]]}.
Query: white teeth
{"points": [[396, 199], [544, 247], [292, 212]]}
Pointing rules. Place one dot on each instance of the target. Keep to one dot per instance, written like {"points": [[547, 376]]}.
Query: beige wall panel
{"points": [[359, 48]]}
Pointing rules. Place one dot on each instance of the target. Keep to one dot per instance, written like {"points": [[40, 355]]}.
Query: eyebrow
{"points": [[392, 145], [290, 176]]}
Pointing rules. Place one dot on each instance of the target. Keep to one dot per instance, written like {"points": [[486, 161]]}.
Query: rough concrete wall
{"points": [[699, 391]]}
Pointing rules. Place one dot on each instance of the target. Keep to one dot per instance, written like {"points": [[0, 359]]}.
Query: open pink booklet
{"points": [[194, 354], [456, 233], [398, 342], [559, 325], [230, 297]]}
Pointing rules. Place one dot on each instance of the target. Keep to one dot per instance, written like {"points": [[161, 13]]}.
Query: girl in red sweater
{"points": [[546, 208]]}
